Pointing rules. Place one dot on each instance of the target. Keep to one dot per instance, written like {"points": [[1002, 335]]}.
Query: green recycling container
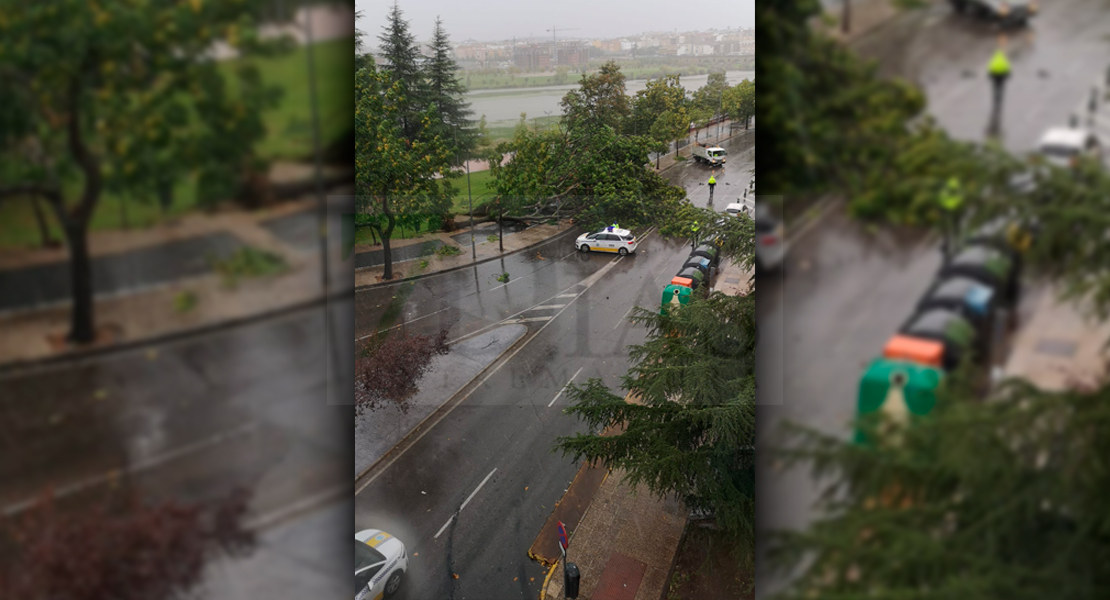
{"points": [[901, 389]]}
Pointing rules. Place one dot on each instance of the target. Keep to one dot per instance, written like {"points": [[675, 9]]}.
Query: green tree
{"points": [[596, 175], [692, 431], [709, 96], [671, 126], [118, 96], [396, 176], [739, 102], [446, 92], [599, 100], [657, 97], [403, 58]]}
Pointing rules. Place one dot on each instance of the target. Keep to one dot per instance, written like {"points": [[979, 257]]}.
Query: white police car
{"points": [[380, 564], [617, 241]]}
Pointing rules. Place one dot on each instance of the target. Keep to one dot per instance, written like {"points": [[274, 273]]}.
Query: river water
{"points": [[503, 106]]}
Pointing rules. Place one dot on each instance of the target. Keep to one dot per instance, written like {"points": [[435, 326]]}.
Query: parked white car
{"points": [[1062, 145], [380, 564]]}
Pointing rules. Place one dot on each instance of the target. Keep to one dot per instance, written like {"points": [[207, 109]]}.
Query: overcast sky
{"points": [[488, 20]]}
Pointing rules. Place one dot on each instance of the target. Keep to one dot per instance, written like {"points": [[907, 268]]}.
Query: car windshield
{"points": [[1059, 151], [366, 556], [716, 153]]}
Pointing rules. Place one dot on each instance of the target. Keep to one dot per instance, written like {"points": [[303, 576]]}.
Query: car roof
{"points": [[616, 231], [1064, 136], [736, 205]]}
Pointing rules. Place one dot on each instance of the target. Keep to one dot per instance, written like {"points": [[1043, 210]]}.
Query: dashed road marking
{"points": [[467, 501], [565, 387]]}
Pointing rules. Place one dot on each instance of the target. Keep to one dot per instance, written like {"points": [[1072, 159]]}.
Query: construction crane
{"points": [[555, 43]]}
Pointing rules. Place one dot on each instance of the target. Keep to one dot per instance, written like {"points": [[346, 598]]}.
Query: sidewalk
{"points": [[379, 431], [624, 546], [484, 249], [623, 540], [1059, 347]]}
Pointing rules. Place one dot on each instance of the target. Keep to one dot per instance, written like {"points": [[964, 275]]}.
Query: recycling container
{"points": [[954, 332], [987, 266], [702, 264], [674, 295], [708, 251], [899, 389], [971, 300], [697, 278]]}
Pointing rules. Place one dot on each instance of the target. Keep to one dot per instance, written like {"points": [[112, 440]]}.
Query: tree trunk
{"points": [[80, 269], [845, 19], [387, 256], [40, 219]]}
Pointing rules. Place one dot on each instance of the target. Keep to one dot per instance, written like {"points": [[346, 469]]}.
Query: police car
{"points": [[380, 564], [610, 239]]}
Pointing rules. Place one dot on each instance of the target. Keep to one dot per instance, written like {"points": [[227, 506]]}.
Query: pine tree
{"points": [[403, 60], [692, 433], [446, 91]]}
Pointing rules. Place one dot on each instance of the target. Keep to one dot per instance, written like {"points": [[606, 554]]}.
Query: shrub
{"points": [[388, 368]]}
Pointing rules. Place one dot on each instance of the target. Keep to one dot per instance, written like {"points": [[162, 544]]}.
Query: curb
{"points": [[419, 425], [674, 560], [77, 355], [460, 267], [547, 580]]}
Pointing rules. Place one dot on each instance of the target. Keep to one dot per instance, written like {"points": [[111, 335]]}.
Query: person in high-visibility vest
{"points": [[712, 184], [999, 71], [951, 199]]}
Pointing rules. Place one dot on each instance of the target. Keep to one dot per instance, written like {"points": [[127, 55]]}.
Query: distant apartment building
{"points": [[532, 57]]}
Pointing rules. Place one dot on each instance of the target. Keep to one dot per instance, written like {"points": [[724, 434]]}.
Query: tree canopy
{"points": [[122, 96], [599, 100], [691, 432]]}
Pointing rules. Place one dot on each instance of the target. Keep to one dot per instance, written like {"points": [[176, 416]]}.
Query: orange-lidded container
{"points": [[683, 281], [922, 352]]}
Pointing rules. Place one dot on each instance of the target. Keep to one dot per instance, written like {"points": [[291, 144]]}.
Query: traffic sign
{"points": [[562, 536]]}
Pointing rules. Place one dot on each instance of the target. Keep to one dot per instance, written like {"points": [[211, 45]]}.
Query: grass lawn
{"points": [[481, 187], [289, 137]]}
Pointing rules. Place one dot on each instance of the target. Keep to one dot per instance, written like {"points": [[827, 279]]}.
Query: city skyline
{"points": [[513, 21]]}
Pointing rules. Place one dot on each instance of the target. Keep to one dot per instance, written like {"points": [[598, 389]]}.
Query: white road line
{"points": [[467, 501], [280, 514], [530, 320], [589, 281], [624, 317], [571, 295], [150, 463], [564, 388], [506, 283], [569, 255], [403, 324], [546, 306]]}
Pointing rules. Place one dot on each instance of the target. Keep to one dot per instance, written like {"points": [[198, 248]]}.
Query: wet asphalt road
{"points": [[503, 432], [189, 420], [845, 291]]}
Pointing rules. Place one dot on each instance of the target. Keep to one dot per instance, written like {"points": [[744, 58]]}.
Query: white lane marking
{"points": [[280, 514], [506, 283], [565, 295], [547, 306], [586, 287], [569, 255], [625, 317], [150, 463], [564, 387], [530, 320], [467, 501], [403, 324]]}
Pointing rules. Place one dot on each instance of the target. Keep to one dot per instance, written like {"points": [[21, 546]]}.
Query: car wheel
{"points": [[622, 251], [583, 248], [393, 584]]}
